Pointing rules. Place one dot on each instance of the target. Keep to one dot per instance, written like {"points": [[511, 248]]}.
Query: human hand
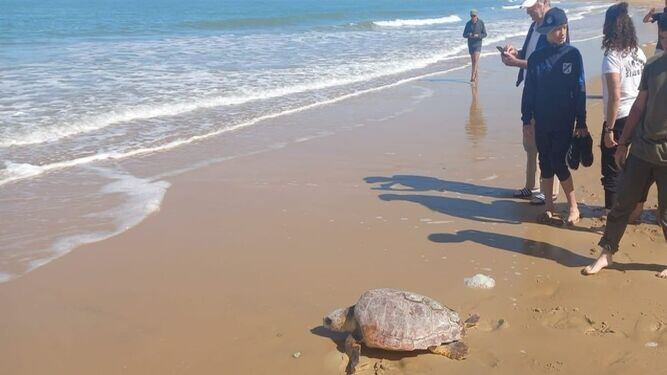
{"points": [[609, 141], [578, 133], [509, 59], [510, 50], [620, 156]]}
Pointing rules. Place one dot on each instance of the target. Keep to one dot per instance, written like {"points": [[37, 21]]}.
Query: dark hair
{"points": [[619, 31], [662, 23]]}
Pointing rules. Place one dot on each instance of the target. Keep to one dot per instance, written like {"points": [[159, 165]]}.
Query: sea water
{"points": [[87, 85]]}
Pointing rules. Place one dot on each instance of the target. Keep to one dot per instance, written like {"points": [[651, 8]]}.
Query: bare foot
{"points": [[603, 261], [662, 275], [573, 217]]}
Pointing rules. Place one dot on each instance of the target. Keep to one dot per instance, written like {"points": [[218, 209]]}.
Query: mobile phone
{"points": [[501, 49]]}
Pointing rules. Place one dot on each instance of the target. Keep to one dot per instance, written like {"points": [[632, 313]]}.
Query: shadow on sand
{"points": [[514, 244], [339, 339], [411, 183]]}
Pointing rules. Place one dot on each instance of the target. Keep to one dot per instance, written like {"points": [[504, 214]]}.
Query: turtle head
{"points": [[341, 320]]}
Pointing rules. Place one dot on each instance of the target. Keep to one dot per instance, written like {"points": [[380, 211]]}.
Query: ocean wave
{"points": [[19, 171], [511, 6], [260, 22], [579, 13], [418, 22], [142, 197]]}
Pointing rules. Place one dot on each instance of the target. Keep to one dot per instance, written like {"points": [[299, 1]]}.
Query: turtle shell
{"points": [[398, 320]]}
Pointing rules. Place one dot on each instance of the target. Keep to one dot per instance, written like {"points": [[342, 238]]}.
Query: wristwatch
{"points": [[607, 129]]}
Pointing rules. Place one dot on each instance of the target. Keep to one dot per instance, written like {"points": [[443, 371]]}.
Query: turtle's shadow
{"points": [[339, 339]]}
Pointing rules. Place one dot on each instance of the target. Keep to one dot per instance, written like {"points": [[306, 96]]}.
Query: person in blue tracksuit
{"points": [[554, 95]]}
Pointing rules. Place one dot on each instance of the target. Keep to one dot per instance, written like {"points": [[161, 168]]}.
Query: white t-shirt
{"points": [[532, 43], [629, 66]]}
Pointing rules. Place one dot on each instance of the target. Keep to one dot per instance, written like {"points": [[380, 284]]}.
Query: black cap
{"points": [[554, 18]]}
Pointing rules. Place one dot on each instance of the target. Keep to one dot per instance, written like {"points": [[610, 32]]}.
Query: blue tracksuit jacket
{"points": [[555, 89]]}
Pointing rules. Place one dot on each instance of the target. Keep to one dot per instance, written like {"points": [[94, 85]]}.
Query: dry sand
{"points": [[235, 272]]}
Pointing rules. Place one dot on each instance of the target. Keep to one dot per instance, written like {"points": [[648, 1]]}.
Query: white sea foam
{"points": [[142, 198], [418, 22], [511, 7]]}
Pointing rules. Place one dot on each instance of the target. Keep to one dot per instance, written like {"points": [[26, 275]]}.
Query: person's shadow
{"points": [[514, 244], [499, 211], [413, 183], [536, 249]]}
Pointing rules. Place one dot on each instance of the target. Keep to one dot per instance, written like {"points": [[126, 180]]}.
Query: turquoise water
{"points": [[88, 82]]}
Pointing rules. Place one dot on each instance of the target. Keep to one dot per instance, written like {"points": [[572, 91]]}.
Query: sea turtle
{"points": [[393, 319]]}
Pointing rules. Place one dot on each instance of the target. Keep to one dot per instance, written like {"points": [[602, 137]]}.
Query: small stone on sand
{"points": [[651, 344], [296, 355]]}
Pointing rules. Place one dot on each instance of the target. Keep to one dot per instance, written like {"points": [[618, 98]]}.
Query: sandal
{"points": [[549, 218], [523, 193], [538, 199]]}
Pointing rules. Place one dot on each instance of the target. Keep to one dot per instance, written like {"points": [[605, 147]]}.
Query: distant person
{"points": [[474, 32], [652, 17], [622, 67], [519, 58], [648, 156], [554, 96]]}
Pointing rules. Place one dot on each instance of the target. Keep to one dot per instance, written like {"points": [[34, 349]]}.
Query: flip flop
{"points": [[523, 193]]}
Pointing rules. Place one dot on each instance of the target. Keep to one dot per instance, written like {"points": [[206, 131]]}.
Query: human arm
{"points": [[467, 31], [612, 66], [648, 18], [513, 60], [483, 31], [528, 102], [635, 116], [580, 96]]}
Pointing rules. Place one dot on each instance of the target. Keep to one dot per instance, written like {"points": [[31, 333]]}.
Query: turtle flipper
{"points": [[471, 321], [453, 350], [353, 351]]}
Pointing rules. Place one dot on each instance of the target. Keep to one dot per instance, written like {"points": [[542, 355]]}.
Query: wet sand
{"points": [[236, 271]]}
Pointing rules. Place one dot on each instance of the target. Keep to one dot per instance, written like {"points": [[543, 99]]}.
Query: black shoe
{"points": [[586, 144]]}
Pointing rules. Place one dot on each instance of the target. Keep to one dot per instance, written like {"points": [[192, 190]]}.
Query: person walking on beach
{"points": [[519, 58], [474, 32], [647, 125], [554, 95], [652, 17], [622, 67]]}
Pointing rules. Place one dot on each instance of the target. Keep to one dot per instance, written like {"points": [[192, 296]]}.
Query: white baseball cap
{"points": [[528, 3]]}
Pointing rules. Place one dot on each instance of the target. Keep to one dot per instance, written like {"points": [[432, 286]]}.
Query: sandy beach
{"points": [[413, 191]]}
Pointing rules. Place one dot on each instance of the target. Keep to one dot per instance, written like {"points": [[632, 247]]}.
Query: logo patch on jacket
{"points": [[567, 68]]}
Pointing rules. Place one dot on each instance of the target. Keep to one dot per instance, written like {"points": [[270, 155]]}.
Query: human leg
{"points": [[630, 191], [560, 145], [610, 173], [475, 64], [544, 149]]}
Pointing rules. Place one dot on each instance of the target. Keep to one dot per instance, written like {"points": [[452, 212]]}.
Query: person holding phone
{"points": [[647, 126], [474, 31], [510, 56]]}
